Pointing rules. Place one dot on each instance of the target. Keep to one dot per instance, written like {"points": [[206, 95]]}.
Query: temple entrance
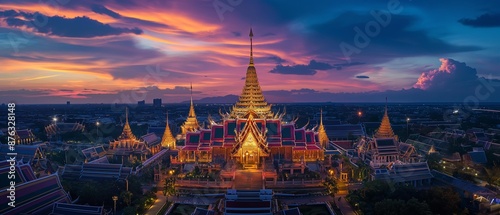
{"points": [[250, 157]]}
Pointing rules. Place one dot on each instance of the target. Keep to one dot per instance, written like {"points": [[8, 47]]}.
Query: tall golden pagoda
{"points": [[127, 144], [191, 123], [127, 131], [385, 129], [168, 140], [323, 138], [251, 98]]}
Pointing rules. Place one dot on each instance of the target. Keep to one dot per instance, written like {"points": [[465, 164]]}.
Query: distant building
{"points": [[61, 128], [68, 103], [141, 103], [24, 137], [157, 102]]}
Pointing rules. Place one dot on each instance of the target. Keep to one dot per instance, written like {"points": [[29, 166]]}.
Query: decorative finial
{"points": [[321, 118], [251, 47], [386, 105], [126, 115]]}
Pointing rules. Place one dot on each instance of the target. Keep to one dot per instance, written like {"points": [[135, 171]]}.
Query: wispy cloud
{"points": [[39, 77]]}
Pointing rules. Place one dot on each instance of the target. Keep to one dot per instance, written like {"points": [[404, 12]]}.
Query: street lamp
{"points": [[115, 198], [407, 127], [359, 116]]}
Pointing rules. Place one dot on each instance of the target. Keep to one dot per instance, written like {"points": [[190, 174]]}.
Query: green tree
{"points": [[413, 206], [169, 187], [330, 186], [126, 196], [400, 207], [442, 200], [389, 207]]}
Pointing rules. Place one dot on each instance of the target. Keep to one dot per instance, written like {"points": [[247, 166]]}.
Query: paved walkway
{"points": [[344, 206], [248, 180], [153, 210]]}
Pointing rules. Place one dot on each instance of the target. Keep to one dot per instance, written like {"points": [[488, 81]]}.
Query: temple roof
{"points": [[385, 129], [168, 139], [323, 137], [251, 128], [127, 131], [251, 98], [191, 123]]}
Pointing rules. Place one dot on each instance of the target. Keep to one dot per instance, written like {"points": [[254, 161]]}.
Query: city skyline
{"points": [[330, 52]]}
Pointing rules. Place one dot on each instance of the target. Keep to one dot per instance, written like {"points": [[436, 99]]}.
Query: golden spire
{"points": [[168, 140], [251, 47], [323, 137], [191, 108], [385, 129], [191, 123], [251, 97], [127, 131]]}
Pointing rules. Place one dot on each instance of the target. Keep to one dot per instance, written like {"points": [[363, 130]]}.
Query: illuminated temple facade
{"points": [[250, 134], [128, 145]]}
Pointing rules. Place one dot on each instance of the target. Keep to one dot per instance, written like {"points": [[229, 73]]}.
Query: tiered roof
{"points": [[385, 129], [35, 196], [168, 140], [191, 123], [23, 173], [73, 209], [323, 137], [127, 142], [96, 171], [251, 98], [251, 130]]}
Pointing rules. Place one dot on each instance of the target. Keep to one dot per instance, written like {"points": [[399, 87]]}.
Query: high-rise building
{"points": [[157, 102]]}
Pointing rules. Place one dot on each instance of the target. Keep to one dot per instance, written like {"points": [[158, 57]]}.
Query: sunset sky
{"points": [[122, 51]]}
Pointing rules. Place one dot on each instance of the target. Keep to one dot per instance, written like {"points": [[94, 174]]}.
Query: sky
{"points": [[123, 51]]}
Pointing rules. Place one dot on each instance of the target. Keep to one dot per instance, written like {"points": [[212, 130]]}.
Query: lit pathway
{"points": [[153, 210], [344, 206]]}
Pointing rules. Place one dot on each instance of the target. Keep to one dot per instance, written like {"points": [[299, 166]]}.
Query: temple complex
{"points": [[250, 133], [128, 145], [392, 160]]}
